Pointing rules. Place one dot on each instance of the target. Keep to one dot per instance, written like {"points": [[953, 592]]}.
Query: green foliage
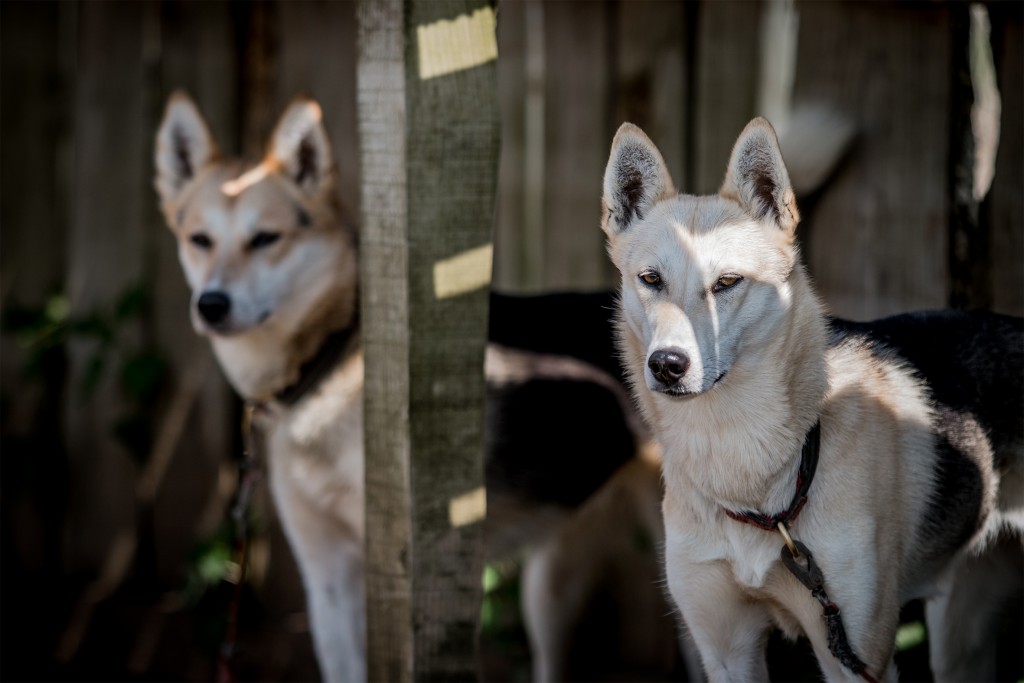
{"points": [[44, 332], [910, 635]]}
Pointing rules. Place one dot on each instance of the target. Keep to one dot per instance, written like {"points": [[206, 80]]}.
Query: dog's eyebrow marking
{"points": [[233, 188]]}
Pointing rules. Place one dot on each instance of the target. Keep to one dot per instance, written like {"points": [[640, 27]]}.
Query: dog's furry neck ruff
{"points": [[808, 466], [738, 446], [317, 368]]}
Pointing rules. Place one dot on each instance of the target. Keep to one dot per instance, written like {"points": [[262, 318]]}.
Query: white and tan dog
{"points": [[272, 269], [914, 424], [272, 266]]}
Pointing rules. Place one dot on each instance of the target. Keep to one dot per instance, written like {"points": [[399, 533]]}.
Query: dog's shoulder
{"points": [[971, 361]]}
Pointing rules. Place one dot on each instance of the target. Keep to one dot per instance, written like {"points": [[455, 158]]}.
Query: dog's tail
{"points": [[814, 139]]}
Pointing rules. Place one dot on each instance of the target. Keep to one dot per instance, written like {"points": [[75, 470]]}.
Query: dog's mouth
{"points": [[228, 327], [675, 391]]}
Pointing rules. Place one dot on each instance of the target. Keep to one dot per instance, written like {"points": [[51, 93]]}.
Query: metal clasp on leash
{"points": [[788, 539], [793, 555]]}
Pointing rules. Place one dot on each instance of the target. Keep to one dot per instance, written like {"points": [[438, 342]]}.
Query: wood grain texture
{"points": [[1005, 203], [452, 164], [727, 54], [384, 250], [876, 241]]}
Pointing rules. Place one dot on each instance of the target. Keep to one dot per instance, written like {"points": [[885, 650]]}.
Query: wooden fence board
{"points": [[317, 54], [651, 78], [196, 426], [510, 253], [577, 138], [108, 135], [726, 72], [876, 241], [384, 320], [1006, 201]]}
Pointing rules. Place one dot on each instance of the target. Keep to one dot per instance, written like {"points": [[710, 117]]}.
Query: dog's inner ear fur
{"points": [[184, 145], [757, 177], [634, 180], [300, 146]]}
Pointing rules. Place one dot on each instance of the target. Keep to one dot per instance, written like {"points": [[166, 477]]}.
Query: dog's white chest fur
{"points": [[317, 446]]}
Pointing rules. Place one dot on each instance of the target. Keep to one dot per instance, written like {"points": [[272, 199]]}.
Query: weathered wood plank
{"points": [[577, 135], [196, 431], [452, 164], [384, 303], [105, 257], [726, 72], [510, 244], [651, 77], [1005, 203], [317, 54], [876, 240]]}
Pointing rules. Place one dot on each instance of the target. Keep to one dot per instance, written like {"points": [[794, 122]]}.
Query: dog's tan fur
{"points": [[714, 284], [286, 296]]}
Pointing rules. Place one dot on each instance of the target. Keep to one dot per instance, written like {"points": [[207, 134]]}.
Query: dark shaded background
{"points": [[119, 437]]}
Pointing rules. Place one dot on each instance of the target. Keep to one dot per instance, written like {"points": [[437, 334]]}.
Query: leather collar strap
{"points": [[808, 465], [318, 367]]}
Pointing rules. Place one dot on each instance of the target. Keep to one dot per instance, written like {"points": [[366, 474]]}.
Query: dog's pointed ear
{"points": [[184, 145], [635, 179], [758, 180], [300, 146]]}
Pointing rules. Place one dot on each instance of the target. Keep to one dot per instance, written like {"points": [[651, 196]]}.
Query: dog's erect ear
{"points": [[634, 180], [757, 177], [300, 147], [183, 146]]}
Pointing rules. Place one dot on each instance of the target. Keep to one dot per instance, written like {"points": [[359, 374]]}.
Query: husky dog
{"points": [[818, 473], [272, 265]]}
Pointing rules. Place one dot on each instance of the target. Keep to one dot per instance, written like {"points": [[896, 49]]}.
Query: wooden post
{"points": [[429, 125]]}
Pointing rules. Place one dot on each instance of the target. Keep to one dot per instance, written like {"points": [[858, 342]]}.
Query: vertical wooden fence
{"points": [[118, 433]]}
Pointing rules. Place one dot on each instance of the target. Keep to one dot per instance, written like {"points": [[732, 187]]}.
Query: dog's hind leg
{"points": [[963, 618], [553, 597]]}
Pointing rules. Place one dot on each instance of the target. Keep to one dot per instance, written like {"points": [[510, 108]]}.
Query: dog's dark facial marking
{"points": [[306, 156], [304, 219]]}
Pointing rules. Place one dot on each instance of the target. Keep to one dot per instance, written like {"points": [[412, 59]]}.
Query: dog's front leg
{"points": [[730, 630], [329, 552]]}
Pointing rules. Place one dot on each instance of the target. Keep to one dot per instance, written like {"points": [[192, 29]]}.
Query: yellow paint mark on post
{"points": [[468, 508], [463, 272], [452, 45]]}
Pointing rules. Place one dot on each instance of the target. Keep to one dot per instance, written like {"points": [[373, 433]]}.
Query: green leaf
{"points": [[910, 635]]}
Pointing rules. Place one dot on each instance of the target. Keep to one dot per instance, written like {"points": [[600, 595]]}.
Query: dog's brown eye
{"points": [[651, 278], [263, 239], [201, 240], [725, 282]]}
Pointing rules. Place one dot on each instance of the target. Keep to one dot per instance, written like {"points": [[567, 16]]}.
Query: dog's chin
{"points": [[679, 392], [228, 328]]}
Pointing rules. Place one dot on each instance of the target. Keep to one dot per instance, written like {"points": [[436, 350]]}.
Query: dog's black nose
{"points": [[214, 307], [668, 365]]}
